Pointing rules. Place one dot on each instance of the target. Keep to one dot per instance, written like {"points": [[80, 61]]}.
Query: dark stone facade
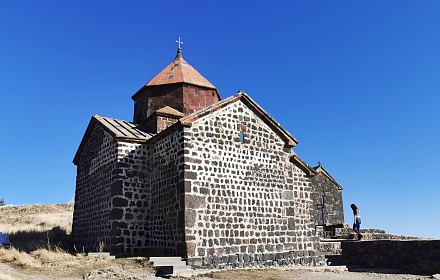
{"points": [[246, 204], [209, 180], [325, 187], [410, 256], [94, 188], [128, 198], [221, 192]]}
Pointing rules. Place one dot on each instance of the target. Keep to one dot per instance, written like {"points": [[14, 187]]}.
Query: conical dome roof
{"points": [[180, 71], [179, 86]]}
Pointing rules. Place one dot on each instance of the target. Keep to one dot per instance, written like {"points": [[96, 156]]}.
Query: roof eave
{"points": [[92, 122], [326, 174], [290, 140], [310, 172]]}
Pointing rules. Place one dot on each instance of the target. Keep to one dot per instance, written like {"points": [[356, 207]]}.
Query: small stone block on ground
{"points": [[101, 255]]}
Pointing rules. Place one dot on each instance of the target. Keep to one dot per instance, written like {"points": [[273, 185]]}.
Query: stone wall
{"points": [[150, 99], [330, 248], [196, 98], [163, 122], [90, 228], [184, 98], [246, 204], [131, 199], [147, 210], [167, 205], [129, 196], [411, 256], [333, 210]]}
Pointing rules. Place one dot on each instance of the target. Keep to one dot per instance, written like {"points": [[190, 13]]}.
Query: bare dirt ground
{"points": [[306, 274], [121, 271], [39, 233]]}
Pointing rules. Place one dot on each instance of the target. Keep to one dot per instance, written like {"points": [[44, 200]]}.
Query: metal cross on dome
{"points": [[179, 43]]}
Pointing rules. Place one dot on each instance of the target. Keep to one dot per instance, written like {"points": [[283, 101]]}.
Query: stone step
{"points": [[160, 259], [176, 264], [105, 255], [169, 266]]}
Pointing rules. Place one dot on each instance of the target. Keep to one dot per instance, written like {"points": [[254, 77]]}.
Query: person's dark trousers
{"points": [[357, 227]]}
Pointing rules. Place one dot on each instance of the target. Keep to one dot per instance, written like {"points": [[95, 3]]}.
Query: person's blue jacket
{"points": [[4, 239]]}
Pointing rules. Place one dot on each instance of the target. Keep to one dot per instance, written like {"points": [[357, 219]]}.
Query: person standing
{"points": [[357, 220]]}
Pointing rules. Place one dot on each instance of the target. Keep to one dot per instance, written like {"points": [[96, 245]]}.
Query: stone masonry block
{"points": [[116, 214], [194, 202], [287, 195], [190, 175], [116, 188], [190, 249], [291, 223], [190, 218], [120, 202], [290, 211]]}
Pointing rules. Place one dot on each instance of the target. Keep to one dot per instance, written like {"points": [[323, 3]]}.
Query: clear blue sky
{"points": [[356, 82]]}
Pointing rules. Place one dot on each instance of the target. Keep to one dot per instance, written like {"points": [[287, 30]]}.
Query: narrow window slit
{"points": [[241, 136]]}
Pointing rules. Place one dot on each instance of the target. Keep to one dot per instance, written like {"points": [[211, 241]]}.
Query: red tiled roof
{"points": [[179, 71], [167, 110]]}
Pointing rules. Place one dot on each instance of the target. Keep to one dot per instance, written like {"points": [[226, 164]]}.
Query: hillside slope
{"points": [[38, 217]]}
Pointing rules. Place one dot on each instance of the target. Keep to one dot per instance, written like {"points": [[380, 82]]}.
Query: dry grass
{"points": [[40, 236], [62, 264], [17, 258], [36, 218], [32, 227]]}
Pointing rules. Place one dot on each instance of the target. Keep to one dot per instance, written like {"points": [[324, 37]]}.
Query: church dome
{"points": [[180, 71], [178, 86]]}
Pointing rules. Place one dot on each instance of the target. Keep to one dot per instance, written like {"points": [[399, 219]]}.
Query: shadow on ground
{"points": [[29, 241]]}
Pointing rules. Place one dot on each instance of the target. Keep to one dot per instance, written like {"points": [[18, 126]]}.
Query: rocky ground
{"points": [[130, 272]]}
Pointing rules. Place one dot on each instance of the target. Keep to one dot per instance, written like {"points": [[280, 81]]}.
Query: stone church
{"points": [[215, 181]]}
